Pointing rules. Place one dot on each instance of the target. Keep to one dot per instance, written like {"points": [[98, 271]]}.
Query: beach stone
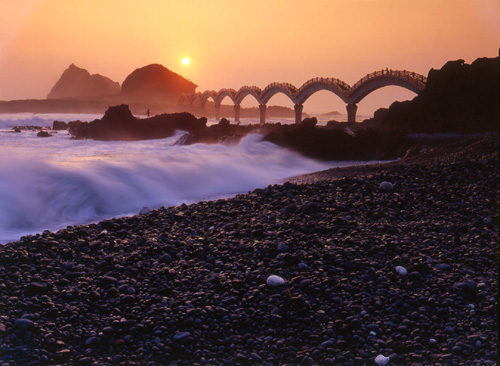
{"points": [[182, 337], [165, 258], [443, 267], [415, 276], [386, 186], [274, 280], [92, 341], [382, 360], [255, 357], [24, 323], [36, 288], [303, 266], [401, 270], [281, 247], [144, 211]]}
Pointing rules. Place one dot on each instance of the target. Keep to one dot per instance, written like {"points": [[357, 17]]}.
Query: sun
{"points": [[185, 61]]}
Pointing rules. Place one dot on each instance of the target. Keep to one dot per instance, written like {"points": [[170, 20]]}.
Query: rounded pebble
{"points": [[382, 360], [274, 280], [401, 270], [386, 186]]}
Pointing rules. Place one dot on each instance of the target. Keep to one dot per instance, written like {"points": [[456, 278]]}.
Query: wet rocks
{"points": [[188, 285], [118, 123]]}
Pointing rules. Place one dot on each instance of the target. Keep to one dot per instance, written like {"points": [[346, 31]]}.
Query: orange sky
{"points": [[232, 43]]}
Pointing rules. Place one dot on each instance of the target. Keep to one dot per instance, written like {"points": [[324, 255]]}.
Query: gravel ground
{"points": [[409, 274]]}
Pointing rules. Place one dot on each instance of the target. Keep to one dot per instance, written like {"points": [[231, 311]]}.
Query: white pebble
{"points": [[211, 228], [432, 341], [104, 231], [274, 280], [372, 333], [386, 186], [381, 360], [401, 270]]}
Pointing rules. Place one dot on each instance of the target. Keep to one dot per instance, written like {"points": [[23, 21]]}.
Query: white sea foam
{"points": [[49, 183]]}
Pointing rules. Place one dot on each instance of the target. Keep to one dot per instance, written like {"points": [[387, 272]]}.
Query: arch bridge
{"points": [[351, 95]]}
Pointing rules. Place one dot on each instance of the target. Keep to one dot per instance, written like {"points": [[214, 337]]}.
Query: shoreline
{"points": [[187, 285]]}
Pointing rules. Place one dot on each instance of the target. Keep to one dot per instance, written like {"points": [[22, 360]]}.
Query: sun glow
{"points": [[185, 61]]}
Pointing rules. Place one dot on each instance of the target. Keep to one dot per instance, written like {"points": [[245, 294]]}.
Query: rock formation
{"points": [[458, 98], [156, 83], [118, 123], [77, 83]]}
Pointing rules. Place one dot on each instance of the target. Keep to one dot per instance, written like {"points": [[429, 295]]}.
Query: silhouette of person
{"points": [[147, 112]]}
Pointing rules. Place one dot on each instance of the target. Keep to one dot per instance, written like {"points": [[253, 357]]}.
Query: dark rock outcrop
{"points": [[59, 125], [156, 83], [223, 132], [458, 98], [315, 142], [118, 123], [43, 134], [336, 144], [76, 82]]}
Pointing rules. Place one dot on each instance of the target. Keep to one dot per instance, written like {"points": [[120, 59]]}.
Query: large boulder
{"points": [[76, 82]]}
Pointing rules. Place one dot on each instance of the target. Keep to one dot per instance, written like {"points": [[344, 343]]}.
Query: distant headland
{"points": [[152, 87]]}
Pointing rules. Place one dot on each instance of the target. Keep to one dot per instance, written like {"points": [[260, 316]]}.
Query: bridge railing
{"points": [[329, 81], [409, 76]]}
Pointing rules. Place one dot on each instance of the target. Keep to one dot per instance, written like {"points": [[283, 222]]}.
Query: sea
{"points": [[54, 182]]}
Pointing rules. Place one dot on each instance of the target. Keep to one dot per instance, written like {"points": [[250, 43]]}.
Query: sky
{"points": [[232, 43]]}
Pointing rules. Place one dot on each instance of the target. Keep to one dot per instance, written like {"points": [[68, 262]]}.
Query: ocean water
{"points": [[50, 183]]}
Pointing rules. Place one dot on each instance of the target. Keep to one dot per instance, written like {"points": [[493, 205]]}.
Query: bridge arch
{"points": [[274, 88], [245, 91], [336, 86], [207, 95], [223, 93], [378, 79]]}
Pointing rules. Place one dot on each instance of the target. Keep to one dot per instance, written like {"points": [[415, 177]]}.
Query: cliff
{"points": [[459, 98], [156, 83], [76, 82]]}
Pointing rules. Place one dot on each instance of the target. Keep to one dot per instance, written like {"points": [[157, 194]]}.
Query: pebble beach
{"points": [[333, 268]]}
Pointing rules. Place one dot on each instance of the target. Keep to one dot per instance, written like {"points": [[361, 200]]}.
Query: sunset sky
{"points": [[232, 43]]}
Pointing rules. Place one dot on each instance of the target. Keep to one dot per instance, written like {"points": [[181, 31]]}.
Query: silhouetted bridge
{"points": [[351, 95]]}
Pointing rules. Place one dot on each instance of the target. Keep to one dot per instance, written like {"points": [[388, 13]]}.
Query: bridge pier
{"points": [[351, 112], [217, 112], [298, 112], [262, 108], [236, 113]]}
